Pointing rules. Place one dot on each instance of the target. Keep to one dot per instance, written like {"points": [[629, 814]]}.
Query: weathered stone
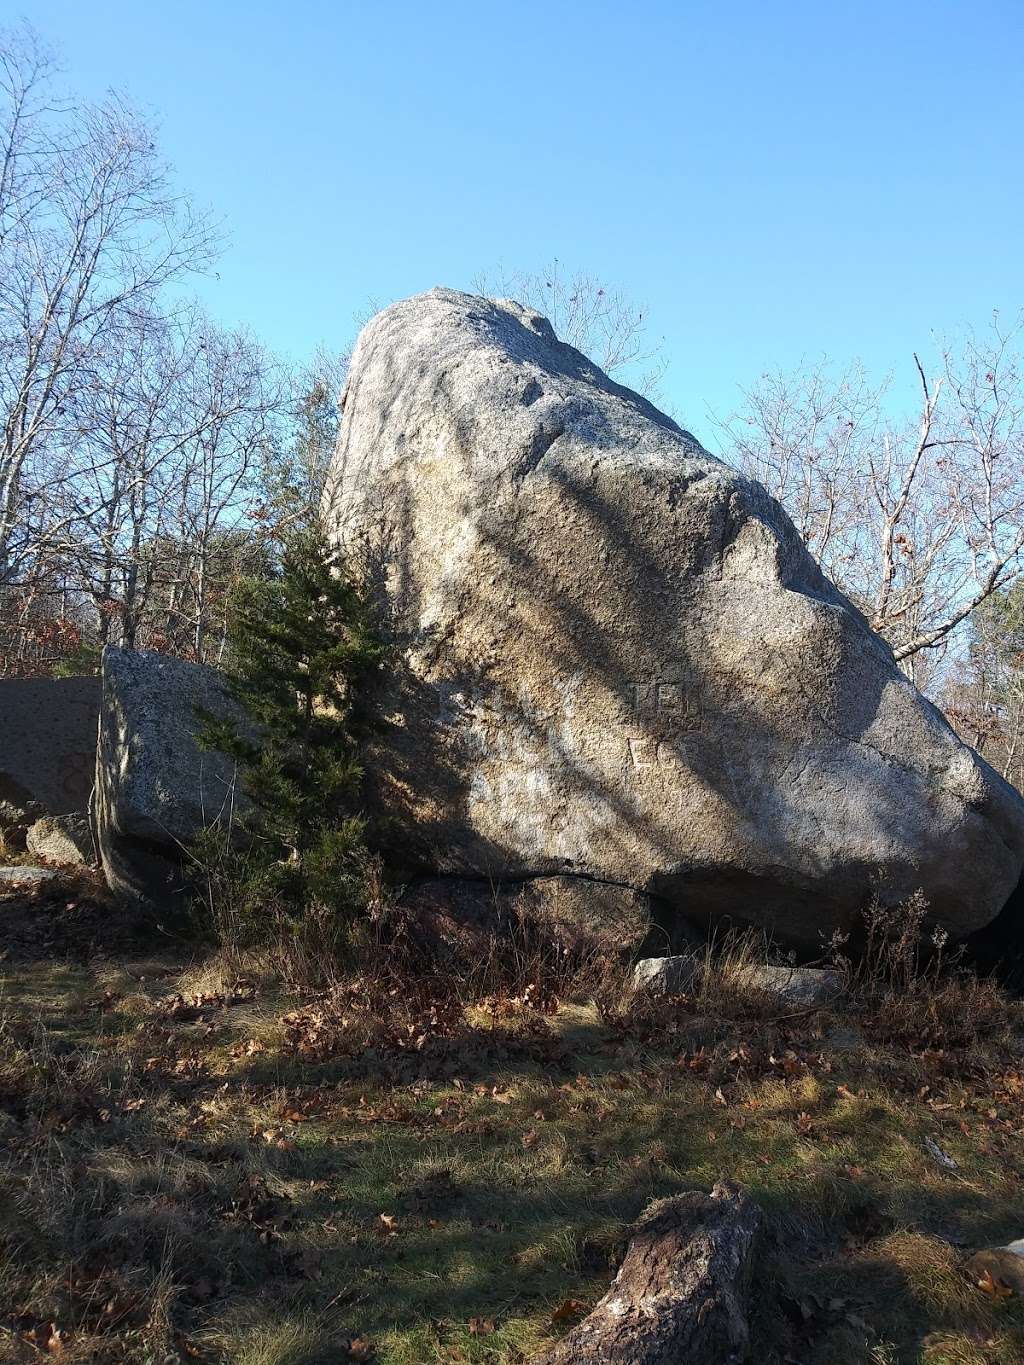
{"points": [[794, 985], [62, 839], [616, 659], [667, 975], [155, 788], [26, 875]]}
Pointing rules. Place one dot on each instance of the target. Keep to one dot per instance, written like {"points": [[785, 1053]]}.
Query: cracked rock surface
{"points": [[615, 659]]}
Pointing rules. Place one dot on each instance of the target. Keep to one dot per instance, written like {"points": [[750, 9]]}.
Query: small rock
{"points": [[794, 985], [666, 975], [14, 875], [65, 840]]}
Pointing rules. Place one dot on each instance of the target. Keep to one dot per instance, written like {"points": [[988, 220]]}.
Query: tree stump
{"points": [[681, 1293]]}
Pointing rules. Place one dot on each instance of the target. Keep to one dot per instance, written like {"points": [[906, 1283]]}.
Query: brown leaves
{"points": [[359, 1349], [993, 1286], [790, 1064], [266, 1213], [568, 1311], [202, 1005], [400, 1035], [45, 1337], [481, 1327], [251, 1047], [804, 1123]]}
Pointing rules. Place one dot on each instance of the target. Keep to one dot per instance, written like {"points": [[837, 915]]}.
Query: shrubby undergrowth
{"points": [[293, 872]]}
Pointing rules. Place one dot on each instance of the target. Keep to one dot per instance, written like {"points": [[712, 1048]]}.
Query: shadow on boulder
{"points": [[998, 949]]}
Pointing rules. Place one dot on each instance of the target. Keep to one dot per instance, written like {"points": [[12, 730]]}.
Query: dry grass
{"points": [[196, 1165]]}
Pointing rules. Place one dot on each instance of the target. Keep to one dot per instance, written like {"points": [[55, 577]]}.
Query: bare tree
{"points": [[91, 232], [239, 399], [170, 451], [316, 389], [147, 457], [598, 320], [985, 697], [135, 424], [920, 521]]}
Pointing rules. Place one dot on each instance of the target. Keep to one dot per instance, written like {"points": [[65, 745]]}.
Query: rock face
{"points": [[62, 839], [615, 658], [155, 788], [48, 740]]}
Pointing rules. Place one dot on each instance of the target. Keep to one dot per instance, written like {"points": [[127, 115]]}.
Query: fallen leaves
{"points": [[49, 1339], [377, 1208], [993, 1286], [250, 1047]]}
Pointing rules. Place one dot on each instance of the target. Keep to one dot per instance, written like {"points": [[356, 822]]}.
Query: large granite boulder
{"points": [[155, 788], [616, 660]]}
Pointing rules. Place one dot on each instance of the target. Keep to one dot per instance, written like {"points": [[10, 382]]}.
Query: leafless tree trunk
{"points": [[682, 1291]]}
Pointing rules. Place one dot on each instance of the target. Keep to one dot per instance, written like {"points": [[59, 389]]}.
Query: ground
{"points": [[197, 1166]]}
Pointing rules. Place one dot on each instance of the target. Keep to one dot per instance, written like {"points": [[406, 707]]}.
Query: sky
{"points": [[772, 182]]}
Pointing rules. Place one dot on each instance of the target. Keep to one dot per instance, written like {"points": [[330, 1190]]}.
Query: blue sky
{"points": [[774, 182]]}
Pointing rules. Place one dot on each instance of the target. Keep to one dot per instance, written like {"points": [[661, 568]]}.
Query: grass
{"points": [[196, 1166]]}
